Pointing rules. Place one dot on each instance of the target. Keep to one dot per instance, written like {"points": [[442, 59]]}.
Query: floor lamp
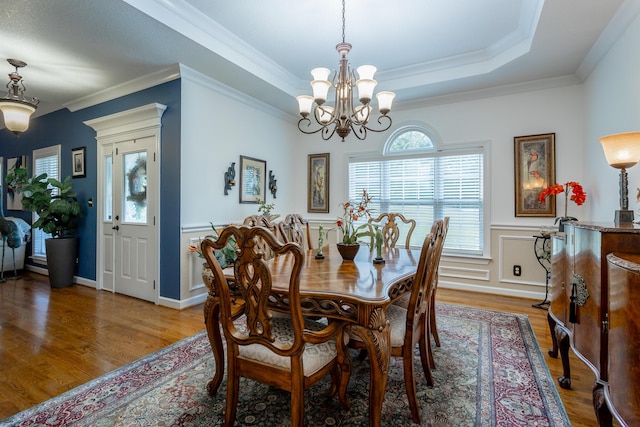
{"points": [[622, 151]]}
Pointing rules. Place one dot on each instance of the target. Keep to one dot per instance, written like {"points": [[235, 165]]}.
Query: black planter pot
{"points": [[62, 255]]}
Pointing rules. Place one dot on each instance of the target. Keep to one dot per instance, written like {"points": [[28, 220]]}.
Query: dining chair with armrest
{"points": [[391, 230], [408, 325], [291, 353]]}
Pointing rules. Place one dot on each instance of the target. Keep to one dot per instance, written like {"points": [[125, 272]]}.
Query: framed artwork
{"points": [[78, 162], [253, 179], [14, 199], [535, 169], [318, 183]]}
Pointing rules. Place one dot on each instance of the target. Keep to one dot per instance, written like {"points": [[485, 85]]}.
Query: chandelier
{"points": [[343, 116], [15, 108]]}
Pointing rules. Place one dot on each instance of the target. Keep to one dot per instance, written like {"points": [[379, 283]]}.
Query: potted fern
{"points": [[56, 205]]}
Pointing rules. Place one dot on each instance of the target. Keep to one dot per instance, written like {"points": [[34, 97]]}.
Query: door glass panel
{"points": [[135, 187], [108, 188]]}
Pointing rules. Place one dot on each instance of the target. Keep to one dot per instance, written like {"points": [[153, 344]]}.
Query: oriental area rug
{"points": [[489, 372]]}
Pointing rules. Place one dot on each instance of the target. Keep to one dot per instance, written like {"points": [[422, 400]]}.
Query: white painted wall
{"points": [[608, 102], [612, 105], [218, 127], [497, 120], [213, 135]]}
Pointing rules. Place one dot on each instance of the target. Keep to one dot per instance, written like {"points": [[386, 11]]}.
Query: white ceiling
{"points": [[423, 49]]}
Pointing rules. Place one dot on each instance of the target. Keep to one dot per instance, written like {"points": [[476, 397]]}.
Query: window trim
{"points": [[39, 153], [484, 146]]}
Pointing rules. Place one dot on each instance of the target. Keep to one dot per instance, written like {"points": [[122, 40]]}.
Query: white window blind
{"points": [[45, 160], [425, 188]]}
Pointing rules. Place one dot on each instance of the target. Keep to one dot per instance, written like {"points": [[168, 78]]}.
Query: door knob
{"points": [[115, 227]]}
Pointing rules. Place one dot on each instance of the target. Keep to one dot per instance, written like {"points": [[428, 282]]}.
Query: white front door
{"points": [[130, 203]]}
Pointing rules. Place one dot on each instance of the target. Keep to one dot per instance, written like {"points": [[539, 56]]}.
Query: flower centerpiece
{"points": [[577, 195], [353, 211]]}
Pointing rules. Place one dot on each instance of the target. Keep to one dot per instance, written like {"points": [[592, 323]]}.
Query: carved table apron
{"points": [[358, 292]]}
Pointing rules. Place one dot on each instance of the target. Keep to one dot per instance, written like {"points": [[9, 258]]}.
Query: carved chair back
{"points": [[295, 228], [253, 284], [390, 228], [261, 221]]}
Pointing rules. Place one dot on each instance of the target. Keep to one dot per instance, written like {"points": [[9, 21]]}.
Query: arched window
{"points": [[418, 177], [409, 138]]}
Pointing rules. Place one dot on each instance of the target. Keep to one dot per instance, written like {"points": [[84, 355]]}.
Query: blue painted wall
{"points": [[67, 129]]}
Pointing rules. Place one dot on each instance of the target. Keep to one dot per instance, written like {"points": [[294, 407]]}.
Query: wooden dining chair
{"points": [[295, 228], [291, 353], [408, 325], [262, 221], [440, 229], [391, 230], [433, 328]]}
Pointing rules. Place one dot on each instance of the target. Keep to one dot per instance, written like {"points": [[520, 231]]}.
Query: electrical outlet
{"points": [[517, 270]]}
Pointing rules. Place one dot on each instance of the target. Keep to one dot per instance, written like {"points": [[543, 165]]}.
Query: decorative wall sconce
{"points": [[273, 187], [622, 151], [229, 180]]}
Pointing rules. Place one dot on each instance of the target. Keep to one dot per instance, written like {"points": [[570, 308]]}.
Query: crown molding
{"points": [[624, 16], [162, 76], [203, 80], [554, 82]]}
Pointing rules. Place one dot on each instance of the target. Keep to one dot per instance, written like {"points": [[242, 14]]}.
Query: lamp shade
{"points": [[365, 89], [366, 71], [622, 150], [16, 114], [385, 99], [320, 90], [305, 102]]}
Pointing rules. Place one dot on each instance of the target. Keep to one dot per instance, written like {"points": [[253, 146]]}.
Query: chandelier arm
{"points": [[308, 132], [327, 133], [359, 132]]}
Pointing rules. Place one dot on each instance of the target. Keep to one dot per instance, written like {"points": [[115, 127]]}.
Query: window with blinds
{"points": [[45, 160], [425, 187]]}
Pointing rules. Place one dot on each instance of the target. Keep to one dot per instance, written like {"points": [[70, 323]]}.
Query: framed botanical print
{"points": [[253, 179], [318, 183], [535, 169]]}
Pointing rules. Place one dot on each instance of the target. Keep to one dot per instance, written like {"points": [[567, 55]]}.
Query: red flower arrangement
{"points": [[577, 195]]}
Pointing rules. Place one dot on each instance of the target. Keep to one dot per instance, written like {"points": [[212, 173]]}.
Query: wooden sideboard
{"points": [[622, 389], [579, 311]]}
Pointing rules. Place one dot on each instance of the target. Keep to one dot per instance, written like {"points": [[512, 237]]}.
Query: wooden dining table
{"points": [[357, 291]]}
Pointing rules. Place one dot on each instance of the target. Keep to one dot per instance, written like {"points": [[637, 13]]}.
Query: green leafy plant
{"points": [[225, 256], [353, 211], [55, 202], [265, 208]]}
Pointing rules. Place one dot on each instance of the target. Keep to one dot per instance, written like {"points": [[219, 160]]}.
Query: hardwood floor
{"points": [[54, 340]]}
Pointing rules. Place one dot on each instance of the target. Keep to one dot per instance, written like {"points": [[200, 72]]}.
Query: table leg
{"points": [[211, 320], [377, 337]]}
